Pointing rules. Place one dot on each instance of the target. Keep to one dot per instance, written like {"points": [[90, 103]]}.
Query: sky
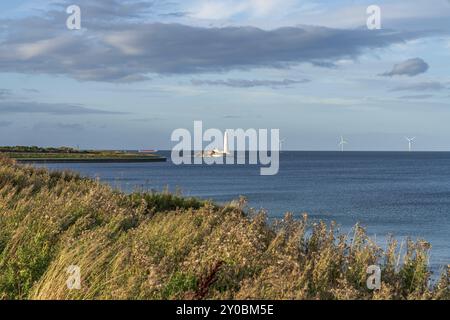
{"points": [[139, 69]]}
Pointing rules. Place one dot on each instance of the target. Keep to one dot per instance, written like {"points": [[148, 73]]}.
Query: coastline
{"points": [[26, 154], [99, 160]]}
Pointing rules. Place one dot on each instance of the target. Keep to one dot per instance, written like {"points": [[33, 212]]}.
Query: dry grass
{"points": [[160, 246]]}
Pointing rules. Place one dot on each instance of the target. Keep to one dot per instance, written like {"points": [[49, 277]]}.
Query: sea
{"points": [[404, 194]]}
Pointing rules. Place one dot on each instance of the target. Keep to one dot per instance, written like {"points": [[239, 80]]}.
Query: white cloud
{"points": [[215, 10], [41, 47], [126, 42], [264, 7], [227, 9]]}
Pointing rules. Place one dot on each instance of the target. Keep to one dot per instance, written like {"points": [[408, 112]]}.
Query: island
{"points": [[35, 154]]}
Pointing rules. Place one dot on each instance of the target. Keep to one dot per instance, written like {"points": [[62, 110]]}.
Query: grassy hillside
{"points": [[159, 246]]}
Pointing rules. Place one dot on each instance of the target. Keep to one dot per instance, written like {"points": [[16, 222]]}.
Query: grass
{"points": [[162, 246], [35, 149], [124, 155], [85, 156], [30, 154]]}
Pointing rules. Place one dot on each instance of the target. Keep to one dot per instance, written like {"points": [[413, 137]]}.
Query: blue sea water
{"points": [[399, 193]]}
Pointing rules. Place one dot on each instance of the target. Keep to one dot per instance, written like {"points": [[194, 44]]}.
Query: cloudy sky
{"points": [[138, 69]]}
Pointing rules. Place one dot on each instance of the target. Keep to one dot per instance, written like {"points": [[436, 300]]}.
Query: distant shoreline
{"points": [[33, 154], [105, 160]]}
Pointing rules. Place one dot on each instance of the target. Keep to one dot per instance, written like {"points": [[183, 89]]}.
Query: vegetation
{"points": [[161, 246], [34, 149], [31, 154]]}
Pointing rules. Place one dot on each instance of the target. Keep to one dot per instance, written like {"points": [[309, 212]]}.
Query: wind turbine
{"points": [[410, 142], [342, 143]]}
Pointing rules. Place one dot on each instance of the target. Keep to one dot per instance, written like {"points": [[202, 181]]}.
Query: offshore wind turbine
{"points": [[342, 143], [410, 143]]}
